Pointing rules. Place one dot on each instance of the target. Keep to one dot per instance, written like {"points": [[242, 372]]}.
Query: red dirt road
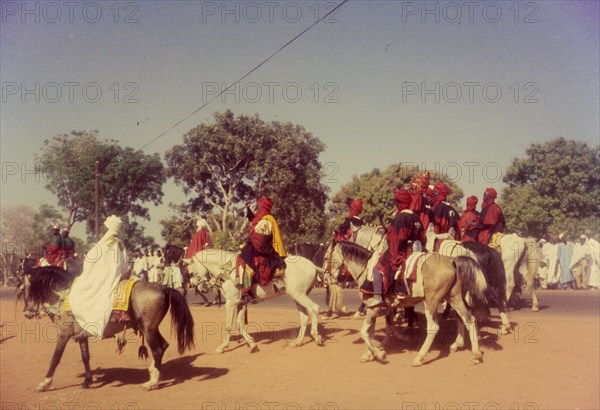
{"points": [[551, 361]]}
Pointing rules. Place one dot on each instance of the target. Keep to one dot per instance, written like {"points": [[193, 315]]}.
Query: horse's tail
{"points": [[471, 276], [182, 320]]}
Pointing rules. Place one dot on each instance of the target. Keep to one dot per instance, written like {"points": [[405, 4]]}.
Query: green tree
{"points": [[376, 188], [235, 160], [555, 188], [128, 178]]}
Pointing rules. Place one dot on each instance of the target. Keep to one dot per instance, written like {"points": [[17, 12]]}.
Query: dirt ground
{"points": [[550, 361]]}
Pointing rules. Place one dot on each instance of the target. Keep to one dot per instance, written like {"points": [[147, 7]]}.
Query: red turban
{"points": [[265, 203], [420, 183], [441, 188], [403, 198], [491, 192], [356, 207], [471, 203]]}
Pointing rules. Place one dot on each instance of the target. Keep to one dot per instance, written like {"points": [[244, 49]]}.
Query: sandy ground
{"points": [[550, 361]]}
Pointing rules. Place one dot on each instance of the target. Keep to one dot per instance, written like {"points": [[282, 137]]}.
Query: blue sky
{"points": [[463, 87]]}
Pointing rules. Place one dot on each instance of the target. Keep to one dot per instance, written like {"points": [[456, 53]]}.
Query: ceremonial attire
{"points": [[91, 296], [468, 222], [200, 240], [491, 219], [352, 222], [264, 251], [444, 216], [55, 253]]}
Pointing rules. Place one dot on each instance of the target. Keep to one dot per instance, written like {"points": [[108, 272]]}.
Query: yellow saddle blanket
{"points": [[121, 298], [495, 241]]}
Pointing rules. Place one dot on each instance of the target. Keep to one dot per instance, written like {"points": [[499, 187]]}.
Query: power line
{"points": [[245, 75]]}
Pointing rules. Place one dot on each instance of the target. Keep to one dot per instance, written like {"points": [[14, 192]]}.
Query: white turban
{"points": [[113, 223], [201, 223]]}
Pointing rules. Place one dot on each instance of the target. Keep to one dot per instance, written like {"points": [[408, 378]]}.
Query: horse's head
{"points": [[39, 286]]}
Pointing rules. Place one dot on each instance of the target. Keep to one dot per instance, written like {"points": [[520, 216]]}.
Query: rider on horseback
{"points": [[405, 229], [352, 222], [491, 219], [264, 252], [469, 221], [445, 217]]}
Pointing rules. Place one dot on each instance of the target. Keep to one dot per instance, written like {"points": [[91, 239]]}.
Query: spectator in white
{"points": [[581, 262], [176, 276], [594, 279], [91, 297], [565, 254], [550, 253], [152, 276], [140, 266], [159, 265]]}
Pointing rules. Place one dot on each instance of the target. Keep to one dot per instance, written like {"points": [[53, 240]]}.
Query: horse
{"points": [[444, 278], [149, 303], [521, 257], [297, 281], [491, 265]]}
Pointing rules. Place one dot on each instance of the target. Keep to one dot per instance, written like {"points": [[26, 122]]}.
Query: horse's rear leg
{"points": [[241, 323], [306, 306], [158, 345], [367, 331], [469, 322], [432, 329], [85, 357], [61, 343]]}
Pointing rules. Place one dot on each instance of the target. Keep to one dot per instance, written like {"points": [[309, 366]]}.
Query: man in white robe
{"points": [[92, 295], [594, 279]]}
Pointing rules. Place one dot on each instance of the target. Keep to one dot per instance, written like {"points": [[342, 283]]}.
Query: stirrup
{"points": [[375, 301]]}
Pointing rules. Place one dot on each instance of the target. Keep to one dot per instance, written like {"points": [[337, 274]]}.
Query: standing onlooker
{"points": [[581, 262], [550, 256], [564, 254], [140, 266], [594, 279]]}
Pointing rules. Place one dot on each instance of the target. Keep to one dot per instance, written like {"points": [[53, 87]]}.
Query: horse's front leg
{"points": [[85, 358], [535, 304], [367, 332], [241, 322], [432, 329], [231, 307], [65, 334]]}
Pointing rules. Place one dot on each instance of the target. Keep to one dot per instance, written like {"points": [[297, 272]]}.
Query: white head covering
{"points": [[113, 223], [201, 223]]}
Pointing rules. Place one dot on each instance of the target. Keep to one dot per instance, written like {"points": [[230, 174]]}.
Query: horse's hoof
{"points": [[535, 308], [219, 350], [253, 347], [149, 386], [380, 355], [319, 341], [86, 384], [294, 344], [45, 385], [453, 349], [366, 357], [417, 363], [505, 330]]}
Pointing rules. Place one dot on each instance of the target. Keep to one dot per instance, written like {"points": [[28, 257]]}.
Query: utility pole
{"points": [[97, 186]]}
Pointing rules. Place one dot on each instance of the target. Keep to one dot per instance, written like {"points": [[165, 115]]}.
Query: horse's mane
{"points": [[43, 281], [354, 252]]}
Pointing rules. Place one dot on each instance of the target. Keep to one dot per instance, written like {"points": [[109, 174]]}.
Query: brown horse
{"points": [[149, 303], [444, 278]]}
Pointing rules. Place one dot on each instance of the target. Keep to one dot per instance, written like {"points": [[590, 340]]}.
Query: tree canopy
{"points": [[235, 160], [128, 178], [554, 189]]}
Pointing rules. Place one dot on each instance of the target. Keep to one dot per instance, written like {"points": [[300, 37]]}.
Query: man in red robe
{"points": [[264, 251], [445, 218], [419, 202], [469, 222], [55, 252], [199, 241], [353, 220], [405, 229], [491, 219]]}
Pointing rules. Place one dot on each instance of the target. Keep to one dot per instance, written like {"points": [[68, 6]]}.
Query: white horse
{"points": [[521, 256], [297, 281]]}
